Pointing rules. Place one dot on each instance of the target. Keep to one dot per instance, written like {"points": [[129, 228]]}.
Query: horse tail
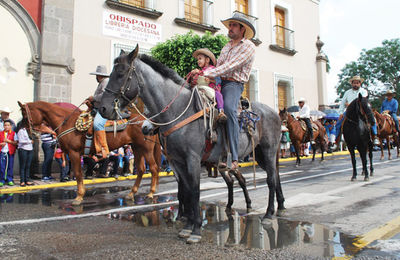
{"points": [[277, 161]]}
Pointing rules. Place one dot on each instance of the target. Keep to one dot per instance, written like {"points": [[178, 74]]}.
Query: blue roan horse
{"points": [[356, 133], [169, 103]]}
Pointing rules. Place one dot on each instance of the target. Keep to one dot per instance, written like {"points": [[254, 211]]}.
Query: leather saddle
{"points": [[304, 126]]}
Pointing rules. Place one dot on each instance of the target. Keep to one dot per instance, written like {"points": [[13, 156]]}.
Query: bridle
{"points": [[363, 114]]}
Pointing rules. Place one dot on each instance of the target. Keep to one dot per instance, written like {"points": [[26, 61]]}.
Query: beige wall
{"points": [[18, 86], [91, 47]]}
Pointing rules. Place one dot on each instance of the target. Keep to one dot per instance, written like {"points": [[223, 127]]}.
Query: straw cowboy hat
{"points": [[243, 20], [5, 110], [301, 100], [390, 92], [101, 70], [205, 52], [357, 77]]}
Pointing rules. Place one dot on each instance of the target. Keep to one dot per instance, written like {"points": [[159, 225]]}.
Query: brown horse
{"points": [[386, 129], [62, 119], [296, 133]]}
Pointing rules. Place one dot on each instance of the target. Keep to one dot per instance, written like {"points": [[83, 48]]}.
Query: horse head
{"points": [[148, 128], [365, 109], [283, 114], [123, 85]]}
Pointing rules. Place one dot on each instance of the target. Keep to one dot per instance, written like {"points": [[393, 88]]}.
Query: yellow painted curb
{"points": [[132, 177], [385, 231]]}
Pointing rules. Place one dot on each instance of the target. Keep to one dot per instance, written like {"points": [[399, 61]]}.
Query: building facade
{"points": [[61, 41]]}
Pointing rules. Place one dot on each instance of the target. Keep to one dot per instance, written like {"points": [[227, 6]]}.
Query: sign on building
{"points": [[131, 28]]}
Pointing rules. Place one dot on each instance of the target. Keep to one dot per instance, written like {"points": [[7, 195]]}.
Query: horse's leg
{"points": [[381, 146], [75, 158], [322, 146], [154, 173], [297, 145], [353, 162], [267, 161], [370, 154], [229, 183], [388, 145], [363, 154], [314, 151], [140, 168], [242, 183]]}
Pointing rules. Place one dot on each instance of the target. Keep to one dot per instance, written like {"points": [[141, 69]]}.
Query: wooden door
{"points": [[280, 29], [137, 3], [194, 11], [242, 6], [282, 96]]}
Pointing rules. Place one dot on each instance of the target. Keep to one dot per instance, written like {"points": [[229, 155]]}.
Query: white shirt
{"points": [[349, 96], [304, 111]]}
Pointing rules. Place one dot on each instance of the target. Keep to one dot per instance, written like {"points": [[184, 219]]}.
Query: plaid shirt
{"points": [[235, 61]]}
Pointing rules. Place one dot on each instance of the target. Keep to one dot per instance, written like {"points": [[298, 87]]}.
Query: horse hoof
{"points": [[193, 239], [249, 210], [185, 233], [366, 179], [268, 216], [229, 211], [266, 223], [353, 178], [130, 196], [281, 212], [76, 202]]}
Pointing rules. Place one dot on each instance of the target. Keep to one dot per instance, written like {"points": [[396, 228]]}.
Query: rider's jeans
{"points": [[396, 121], [231, 91], [99, 122]]}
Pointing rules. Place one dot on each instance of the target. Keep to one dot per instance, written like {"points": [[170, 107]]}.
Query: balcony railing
{"points": [[283, 40], [203, 23]]}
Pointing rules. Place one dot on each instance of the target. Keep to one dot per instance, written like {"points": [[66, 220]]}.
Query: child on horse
{"points": [[206, 60]]}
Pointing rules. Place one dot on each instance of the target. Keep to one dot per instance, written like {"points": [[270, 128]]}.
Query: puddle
{"points": [[248, 232]]}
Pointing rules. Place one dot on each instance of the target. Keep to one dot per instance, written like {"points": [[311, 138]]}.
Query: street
{"points": [[325, 214]]}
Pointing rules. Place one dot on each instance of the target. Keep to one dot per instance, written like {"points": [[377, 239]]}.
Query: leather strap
{"points": [[183, 123]]}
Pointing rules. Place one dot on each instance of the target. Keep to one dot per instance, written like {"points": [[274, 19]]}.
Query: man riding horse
{"points": [[348, 97], [304, 114], [234, 67], [391, 105]]}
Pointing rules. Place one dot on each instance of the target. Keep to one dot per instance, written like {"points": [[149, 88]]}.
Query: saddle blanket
{"points": [[304, 126]]}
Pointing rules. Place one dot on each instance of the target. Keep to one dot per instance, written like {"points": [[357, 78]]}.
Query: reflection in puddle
{"points": [[248, 231]]}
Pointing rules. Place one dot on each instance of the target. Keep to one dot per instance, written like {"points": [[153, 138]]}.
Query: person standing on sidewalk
{"points": [[8, 144], [234, 67], [48, 146], [25, 154]]}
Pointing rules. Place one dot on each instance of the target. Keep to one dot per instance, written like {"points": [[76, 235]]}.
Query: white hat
{"points": [[301, 100], [6, 110], [101, 70]]}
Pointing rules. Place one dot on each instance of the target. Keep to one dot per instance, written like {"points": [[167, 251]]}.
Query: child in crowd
{"points": [[8, 144], [61, 159], [25, 153], [206, 60]]}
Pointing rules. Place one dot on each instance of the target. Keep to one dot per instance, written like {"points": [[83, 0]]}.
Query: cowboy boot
{"points": [[101, 138]]}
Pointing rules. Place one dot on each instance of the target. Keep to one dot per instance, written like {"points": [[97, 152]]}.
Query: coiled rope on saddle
{"points": [[84, 121]]}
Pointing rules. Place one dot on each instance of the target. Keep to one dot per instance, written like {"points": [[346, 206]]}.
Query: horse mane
{"points": [[353, 109], [161, 68]]}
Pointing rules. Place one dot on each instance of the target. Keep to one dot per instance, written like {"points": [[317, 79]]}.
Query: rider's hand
{"points": [[195, 71]]}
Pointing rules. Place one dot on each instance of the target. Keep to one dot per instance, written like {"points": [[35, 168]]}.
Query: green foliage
{"points": [[378, 66], [177, 52]]}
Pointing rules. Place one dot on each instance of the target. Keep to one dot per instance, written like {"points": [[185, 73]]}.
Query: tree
{"points": [[177, 52], [380, 67]]}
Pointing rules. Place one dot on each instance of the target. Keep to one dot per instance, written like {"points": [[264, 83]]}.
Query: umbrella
{"points": [[317, 113], [293, 109], [66, 105], [331, 114]]}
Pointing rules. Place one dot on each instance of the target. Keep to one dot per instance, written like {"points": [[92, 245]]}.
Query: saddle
{"points": [[304, 126]]}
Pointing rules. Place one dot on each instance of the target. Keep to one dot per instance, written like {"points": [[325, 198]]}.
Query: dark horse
{"points": [[356, 132], [169, 102], [297, 135], [73, 143]]}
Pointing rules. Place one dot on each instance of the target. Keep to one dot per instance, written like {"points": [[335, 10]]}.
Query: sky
{"points": [[348, 26]]}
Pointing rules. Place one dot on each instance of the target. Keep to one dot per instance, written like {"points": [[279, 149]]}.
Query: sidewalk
{"points": [[56, 184]]}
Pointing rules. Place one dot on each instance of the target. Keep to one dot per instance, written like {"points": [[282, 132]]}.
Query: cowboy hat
{"points": [[6, 110], [390, 92], [357, 77], [101, 70], [243, 20], [205, 52], [301, 100]]}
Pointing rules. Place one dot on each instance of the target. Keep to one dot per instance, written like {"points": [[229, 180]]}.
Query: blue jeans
{"points": [[25, 160], [231, 91], [99, 122], [340, 122], [63, 170], [6, 167], [396, 121], [48, 150]]}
